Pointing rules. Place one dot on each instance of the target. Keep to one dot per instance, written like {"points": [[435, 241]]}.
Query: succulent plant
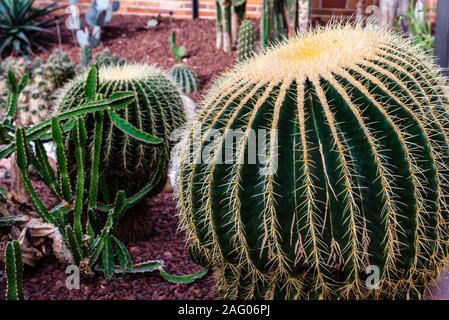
{"points": [[247, 39], [22, 24], [14, 271], [100, 12], [348, 195], [36, 100], [57, 70], [126, 163], [185, 78], [107, 58]]}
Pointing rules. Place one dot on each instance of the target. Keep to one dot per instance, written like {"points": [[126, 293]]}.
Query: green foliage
{"points": [[20, 22], [178, 52], [185, 78], [247, 39], [340, 174], [135, 141], [14, 271]]}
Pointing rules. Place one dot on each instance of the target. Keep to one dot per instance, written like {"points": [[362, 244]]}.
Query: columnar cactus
{"points": [[185, 78], [247, 39], [126, 163], [350, 184]]}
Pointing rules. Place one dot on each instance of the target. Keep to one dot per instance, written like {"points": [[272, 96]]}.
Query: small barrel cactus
{"points": [[347, 196], [247, 39], [128, 164], [185, 78]]}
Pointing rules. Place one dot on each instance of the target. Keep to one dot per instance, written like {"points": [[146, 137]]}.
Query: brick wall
{"points": [[322, 9]]}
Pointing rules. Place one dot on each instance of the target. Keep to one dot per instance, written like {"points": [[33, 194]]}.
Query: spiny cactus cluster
{"points": [[126, 163], [352, 180], [185, 78], [247, 39]]}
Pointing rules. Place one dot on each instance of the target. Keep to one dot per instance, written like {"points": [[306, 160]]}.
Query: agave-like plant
{"points": [[20, 22]]}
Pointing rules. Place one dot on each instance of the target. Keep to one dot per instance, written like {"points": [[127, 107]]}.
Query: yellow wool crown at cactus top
{"points": [[360, 157]]}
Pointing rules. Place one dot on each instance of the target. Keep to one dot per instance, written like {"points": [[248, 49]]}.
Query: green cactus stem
{"points": [[349, 184], [247, 39], [185, 78]]}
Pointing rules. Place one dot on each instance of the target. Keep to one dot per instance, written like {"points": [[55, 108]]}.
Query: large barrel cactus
{"points": [[127, 163], [348, 195]]}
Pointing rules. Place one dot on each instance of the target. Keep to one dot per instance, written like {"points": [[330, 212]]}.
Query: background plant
{"points": [[88, 239], [353, 173], [14, 271], [20, 25]]}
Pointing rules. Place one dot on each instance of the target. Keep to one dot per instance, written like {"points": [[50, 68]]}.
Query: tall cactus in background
{"points": [[229, 14], [247, 39], [126, 163], [324, 171]]}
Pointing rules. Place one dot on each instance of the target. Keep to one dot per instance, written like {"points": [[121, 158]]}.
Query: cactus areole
{"points": [[126, 163], [351, 198]]}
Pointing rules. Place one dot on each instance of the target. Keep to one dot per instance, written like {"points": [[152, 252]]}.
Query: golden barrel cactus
{"points": [[350, 200]]}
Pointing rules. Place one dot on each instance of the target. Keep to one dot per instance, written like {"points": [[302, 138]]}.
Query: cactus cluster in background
{"points": [[229, 14], [350, 180], [247, 39], [46, 79], [84, 225], [127, 163], [183, 76], [282, 19]]}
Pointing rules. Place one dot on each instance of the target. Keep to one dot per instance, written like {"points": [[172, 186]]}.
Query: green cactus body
{"points": [[354, 179], [185, 78], [85, 55], [247, 39], [128, 164]]}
